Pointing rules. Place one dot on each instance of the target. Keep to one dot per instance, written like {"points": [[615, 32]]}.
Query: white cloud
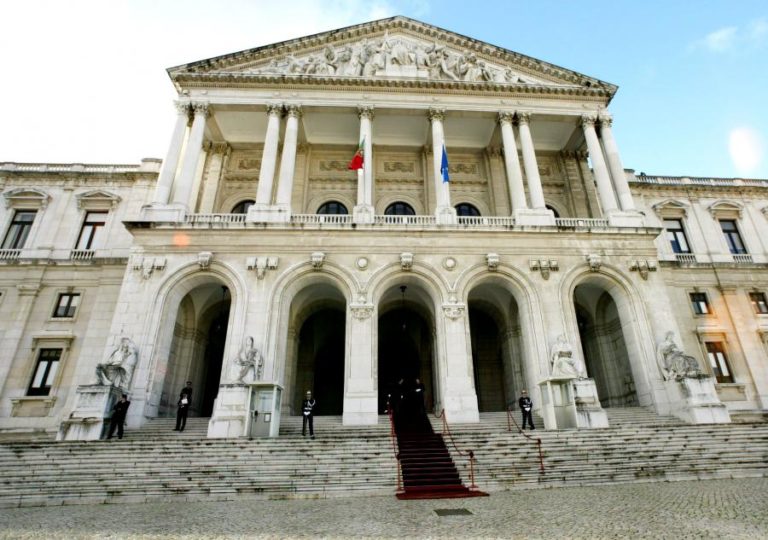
{"points": [[720, 40], [746, 147], [753, 34], [758, 30]]}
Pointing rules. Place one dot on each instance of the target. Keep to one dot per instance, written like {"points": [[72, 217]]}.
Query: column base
{"points": [[268, 213], [446, 215], [618, 218], [88, 419], [163, 212], [230, 412], [697, 401], [360, 410], [363, 214], [589, 413], [538, 217]]}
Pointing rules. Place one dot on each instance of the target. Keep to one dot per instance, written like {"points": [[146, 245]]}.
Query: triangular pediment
{"points": [[396, 49]]}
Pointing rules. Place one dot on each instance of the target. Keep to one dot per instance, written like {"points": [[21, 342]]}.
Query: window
{"points": [[242, 207], [399, 209], [66, 305], [45, 372], [333, 208], [676, 235], [92, 226], [700, 303], [718, 362], [467, 210], [18, 232], [732, 236], [759, 303], [555, 212]]}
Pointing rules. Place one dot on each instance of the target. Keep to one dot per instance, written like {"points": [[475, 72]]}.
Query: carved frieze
{"points": [[204, 259], [399, 166], [406, 261], [317, 259], [545, 266], [642, 266], [147, 265], [261, 265], [454, 311], [361, 311]]}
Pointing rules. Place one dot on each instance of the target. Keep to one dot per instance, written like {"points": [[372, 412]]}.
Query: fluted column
{"points": [[171, 162], [191, 155], [604, 187], [444, 212], [288, 159], [269, 156], [529, 162], [615, 165], [217, 151], [366, 134], [512, 163]]}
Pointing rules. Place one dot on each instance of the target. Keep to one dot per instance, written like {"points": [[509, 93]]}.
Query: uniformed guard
{"points": [[306, 408], [526, 406]]}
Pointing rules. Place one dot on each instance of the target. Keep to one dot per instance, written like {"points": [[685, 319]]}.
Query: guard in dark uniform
{"points": [[307, 407], [118, 417], [526, 406]]}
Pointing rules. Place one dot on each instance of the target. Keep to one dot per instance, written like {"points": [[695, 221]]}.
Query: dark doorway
{"points": [[321, 362], [487, 362], [212, 360]]}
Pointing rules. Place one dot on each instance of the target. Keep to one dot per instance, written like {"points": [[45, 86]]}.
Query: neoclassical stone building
{"points": [[524, 256]]}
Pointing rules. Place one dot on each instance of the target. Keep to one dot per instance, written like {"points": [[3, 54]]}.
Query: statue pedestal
{"points": [[363, 214], [571, 403], [230, 411], [88, 419], [699, 403], [589, 412]]}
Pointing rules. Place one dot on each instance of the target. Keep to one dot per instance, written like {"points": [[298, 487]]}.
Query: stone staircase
{"points": [[157, 463]]}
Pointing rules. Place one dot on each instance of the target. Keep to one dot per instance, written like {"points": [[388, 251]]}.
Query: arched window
{"points": [[467, 210], [399, 208], [333, 208], [557, 215], [242, 207]]}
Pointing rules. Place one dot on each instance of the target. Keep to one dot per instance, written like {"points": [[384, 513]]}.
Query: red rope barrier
{"points": [[510, 417], [469, 454], [392, 436]]}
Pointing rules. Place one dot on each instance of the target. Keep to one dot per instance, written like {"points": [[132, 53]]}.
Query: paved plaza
{"points": [[706, 509]]}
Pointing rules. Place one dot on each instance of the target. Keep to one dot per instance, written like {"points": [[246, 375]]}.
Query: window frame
{"points": [[401, 203], [57, 304], [94, 230], [756, 304], [716, 363], [674, 238], [48, 380], [24, 225], [340, 204], [244, 202], [730, 235], [696, 304], [466, 205]]}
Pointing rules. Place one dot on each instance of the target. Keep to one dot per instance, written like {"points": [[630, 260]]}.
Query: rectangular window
{"points": [[759, 303], [18, 232], [732, 236], [67, 305], [700, 303], [718, 362], [92, 227], [676, 235], [45, 372]]}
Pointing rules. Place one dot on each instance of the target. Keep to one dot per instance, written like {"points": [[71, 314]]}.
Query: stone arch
{"points": [[386, 200], [318, 200]]}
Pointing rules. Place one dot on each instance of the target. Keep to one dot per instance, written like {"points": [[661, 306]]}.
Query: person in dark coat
{"points": [[418, 396], [307, 407], [526, 407], [185, 400], [118, 417]]}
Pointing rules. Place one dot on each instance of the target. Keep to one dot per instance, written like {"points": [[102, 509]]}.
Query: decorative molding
{"points": [[406, 261], [365, 111], [435, 114], [317, 259], [97, 199], [261, 265], [545, 266], [204, 259], [454, 311], [362, 263], [201, 108], [399, 166], [449, 263], [294, 111], [671, 208], [248, 164], [725, 208], [506, 116], [361, 312], [588, 120], [492, 261], [24, 198], [523, 118], [594, 261], [643, 266], [336, 165], [147, 265], [274, 109]]}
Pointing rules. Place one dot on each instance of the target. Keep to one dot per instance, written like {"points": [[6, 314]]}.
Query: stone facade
{"points": [[255, 236]]}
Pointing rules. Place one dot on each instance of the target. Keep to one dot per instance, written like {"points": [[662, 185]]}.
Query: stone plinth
{"points": [[88, 420], [618, 218], [589, 412], [558, 408], [163, 213], [230, 412], [534, 217], [701, 403], [268, 213], [363, 214]]}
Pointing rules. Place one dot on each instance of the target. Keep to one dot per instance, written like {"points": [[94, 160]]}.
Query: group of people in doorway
{"points": [[407, 397]]}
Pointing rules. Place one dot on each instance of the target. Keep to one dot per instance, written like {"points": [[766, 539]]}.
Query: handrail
{"points": [[510, 417], [393, 436], [469, 453]]}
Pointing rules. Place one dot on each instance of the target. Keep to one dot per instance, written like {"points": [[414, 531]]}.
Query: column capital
{"points": [[436, 114], [365, 111], [588, 120], [506, 117], [274, 109], [200, 108], [182, 107], [606, 119], [216, 147], [294, 111], [523, 117]]}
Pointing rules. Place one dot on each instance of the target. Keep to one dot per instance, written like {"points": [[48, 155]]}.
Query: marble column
{"points": [[191, 156], [512, 163], [444, 212], [360, 391], [615, 165], [529, 162], [364, 211], [269, 156], [218, 151], [604, 187], [288, 162], [171, 162]]}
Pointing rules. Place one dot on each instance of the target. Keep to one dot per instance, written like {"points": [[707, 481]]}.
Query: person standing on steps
{"points": [[118, 417], [418, 396], [526, 406], [185, 399], [307, 407]]}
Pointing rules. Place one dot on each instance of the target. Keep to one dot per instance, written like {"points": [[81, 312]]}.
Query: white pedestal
{"points": [[93, 405], [700, 403], [361, 409], [534, 217], [230, 412], [268, 213], [446, 215], [363, 214], [558, 407], [626, 219], [163, 213], [589, 413]]}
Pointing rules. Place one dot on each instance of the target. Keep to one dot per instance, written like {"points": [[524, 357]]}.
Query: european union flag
{"points": [[444, 166]]}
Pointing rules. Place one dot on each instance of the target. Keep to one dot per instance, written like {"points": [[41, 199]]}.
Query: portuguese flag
{"points": [[357, 160]]}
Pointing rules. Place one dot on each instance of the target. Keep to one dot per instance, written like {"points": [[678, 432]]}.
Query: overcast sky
{"points": [[85, 81]]}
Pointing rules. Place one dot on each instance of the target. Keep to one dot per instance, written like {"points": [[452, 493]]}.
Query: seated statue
{"points": [[249, 358], [564, 365], [674, 363], [119, 366]]}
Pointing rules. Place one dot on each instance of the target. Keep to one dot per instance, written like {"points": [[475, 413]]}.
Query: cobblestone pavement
{"points": [[706, 509]]}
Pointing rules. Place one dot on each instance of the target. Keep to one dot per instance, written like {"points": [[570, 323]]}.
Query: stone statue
{"points": [[118, 369], [249, 358], [674, 363], [564, 365]]}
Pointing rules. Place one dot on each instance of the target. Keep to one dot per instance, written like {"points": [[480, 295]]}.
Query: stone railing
{"points": [[68, 167], [81, 254], [482, 222], [320, 219], [581, 222], [405, 220], [743, 259], [215, 218], [9, 254], [693, 181], [685, 258]]}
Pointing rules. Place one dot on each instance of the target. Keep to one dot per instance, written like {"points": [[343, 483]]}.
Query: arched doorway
{"points": [[405, 344], [604, 346], [197, 349]]}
